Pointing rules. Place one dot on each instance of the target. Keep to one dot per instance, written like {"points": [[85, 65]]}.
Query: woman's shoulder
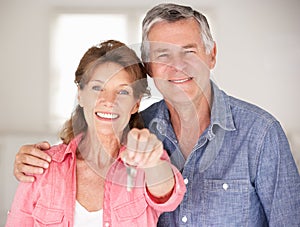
{"points": [[60, 151], [56, 151]]}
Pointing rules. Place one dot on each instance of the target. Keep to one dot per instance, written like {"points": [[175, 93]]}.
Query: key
{"points": [[131, 173]]}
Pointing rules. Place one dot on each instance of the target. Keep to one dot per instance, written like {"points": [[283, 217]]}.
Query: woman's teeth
{"points": [[107, 115]]}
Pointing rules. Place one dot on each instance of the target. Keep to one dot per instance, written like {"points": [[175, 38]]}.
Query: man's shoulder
{"points": [[153, 107], [249, 111], [151, 112]]}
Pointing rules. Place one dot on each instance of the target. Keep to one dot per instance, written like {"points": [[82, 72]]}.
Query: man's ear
{"points": [[213, 55], [148, 68]]}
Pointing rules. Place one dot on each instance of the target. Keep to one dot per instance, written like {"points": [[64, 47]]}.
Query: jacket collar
{"points": [[58, 154]]}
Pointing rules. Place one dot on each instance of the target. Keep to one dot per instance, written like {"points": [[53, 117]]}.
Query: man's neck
{"points": [[189, 120]]}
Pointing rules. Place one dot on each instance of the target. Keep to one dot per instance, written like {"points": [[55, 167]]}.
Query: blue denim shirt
{"points": [[240, 173]]}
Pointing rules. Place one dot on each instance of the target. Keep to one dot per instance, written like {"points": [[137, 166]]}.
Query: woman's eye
{"points": [[123, 92], [96, 88]]}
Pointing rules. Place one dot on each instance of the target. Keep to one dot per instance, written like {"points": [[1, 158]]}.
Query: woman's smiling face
{"points": [[108, 100]]}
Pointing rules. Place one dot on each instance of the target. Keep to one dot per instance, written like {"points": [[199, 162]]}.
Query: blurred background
{"points": [[41, 43]]}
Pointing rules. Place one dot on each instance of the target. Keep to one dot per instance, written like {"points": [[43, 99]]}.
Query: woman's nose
{"points": [[106, 97]]}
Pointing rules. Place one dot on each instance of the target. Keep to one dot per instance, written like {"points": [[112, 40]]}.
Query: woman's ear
{"points": [[136, 107], [79, 97]]}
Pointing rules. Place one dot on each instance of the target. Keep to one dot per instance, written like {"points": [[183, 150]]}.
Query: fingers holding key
{"points": [[137, 140], [143, 148]]}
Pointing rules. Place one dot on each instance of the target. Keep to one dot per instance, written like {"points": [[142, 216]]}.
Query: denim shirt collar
{"points": [[221, 121], [220, 114]]}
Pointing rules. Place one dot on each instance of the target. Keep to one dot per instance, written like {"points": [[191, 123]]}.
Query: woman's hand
{"points": [[144, 150]]}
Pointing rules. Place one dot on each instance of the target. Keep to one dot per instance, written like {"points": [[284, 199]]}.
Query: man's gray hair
{"points": [[172, 13]]}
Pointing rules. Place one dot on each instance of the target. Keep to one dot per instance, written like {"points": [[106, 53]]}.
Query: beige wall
{"points": [[258, 60]]}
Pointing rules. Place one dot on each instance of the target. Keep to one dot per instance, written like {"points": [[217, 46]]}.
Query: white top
{"points": [[87, 219]]}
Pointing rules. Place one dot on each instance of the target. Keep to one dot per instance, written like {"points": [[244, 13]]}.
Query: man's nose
{"points": [[178, 62]]}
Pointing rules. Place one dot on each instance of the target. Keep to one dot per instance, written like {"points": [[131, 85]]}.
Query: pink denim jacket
{"points": [[50, 200]]}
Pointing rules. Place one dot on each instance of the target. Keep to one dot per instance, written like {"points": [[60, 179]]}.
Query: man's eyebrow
{"points": [[166, 49], [160, 49], [191, 45]]}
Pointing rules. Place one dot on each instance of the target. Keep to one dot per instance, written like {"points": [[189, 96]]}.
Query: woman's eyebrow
{"points": [[99, 81], [124, 85]]}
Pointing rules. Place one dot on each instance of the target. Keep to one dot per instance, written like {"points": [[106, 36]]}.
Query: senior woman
{"points": [[108, 171]]}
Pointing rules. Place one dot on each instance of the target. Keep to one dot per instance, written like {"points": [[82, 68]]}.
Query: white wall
{"points": [[258, 55]]}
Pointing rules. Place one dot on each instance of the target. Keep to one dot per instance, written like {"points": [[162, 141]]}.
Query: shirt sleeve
{"points": [[20, 213], [176, 195], [278, 180]]}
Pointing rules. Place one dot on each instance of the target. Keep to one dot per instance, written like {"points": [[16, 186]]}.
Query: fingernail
{"points": [[131, 154], [46, 165]]}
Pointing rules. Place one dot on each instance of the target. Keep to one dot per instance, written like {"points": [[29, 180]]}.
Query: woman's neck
{"points": [[99, 152]]}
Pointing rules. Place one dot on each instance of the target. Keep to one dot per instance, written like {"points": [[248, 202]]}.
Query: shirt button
{"points": [[225, 186], [186, 181], [106, 224], [184, 219], [159, 127]]}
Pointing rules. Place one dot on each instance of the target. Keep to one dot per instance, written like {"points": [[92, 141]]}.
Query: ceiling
{"points": [[129, 4]]}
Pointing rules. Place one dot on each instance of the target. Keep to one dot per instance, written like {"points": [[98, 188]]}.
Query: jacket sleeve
{"points": [[176, 195], [277, 179], [20, 213]]}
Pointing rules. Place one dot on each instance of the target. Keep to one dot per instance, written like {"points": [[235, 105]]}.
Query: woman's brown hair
{"points": [[108, 51]]}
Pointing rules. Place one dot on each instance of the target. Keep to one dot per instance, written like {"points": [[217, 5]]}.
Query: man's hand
{"points": [[31, 159]]}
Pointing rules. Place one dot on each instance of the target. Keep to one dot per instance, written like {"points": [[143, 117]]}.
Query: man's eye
{"points": [[163, 55], [190, 52], [123, 92], [96, 88]]}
